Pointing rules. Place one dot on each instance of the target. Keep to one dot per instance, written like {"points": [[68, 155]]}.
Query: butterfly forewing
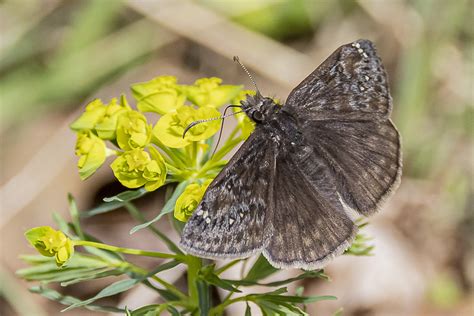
{"points": [[349, 85], [234, 217]]}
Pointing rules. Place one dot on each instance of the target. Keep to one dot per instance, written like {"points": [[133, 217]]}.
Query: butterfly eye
{"points": [[257, 116]]}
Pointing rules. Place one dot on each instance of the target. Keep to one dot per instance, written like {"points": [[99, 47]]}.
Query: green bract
{"points": [[133, 130], [51, 243], [189, 200], [136, 168], [210, 92], [170, 128], [94, 112], [91, 151], [100, 118], [160, 95], [107, 125]]}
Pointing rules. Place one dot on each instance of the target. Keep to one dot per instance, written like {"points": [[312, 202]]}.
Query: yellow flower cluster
{"points": [[150, 155]]}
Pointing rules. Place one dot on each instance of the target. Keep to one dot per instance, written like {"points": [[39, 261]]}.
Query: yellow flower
{"points": [[94, 112], [245, 123], [107, 125], [51, 243], [169, 129], [91, 151], [160, 95], [210, 92], [136, 168], [188, 201], [133, 130]]}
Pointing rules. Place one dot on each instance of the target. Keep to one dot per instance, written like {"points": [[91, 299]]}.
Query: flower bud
{"points": [[51, 243]]}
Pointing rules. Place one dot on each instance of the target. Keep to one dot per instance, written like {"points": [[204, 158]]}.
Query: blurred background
{"points": [[55, 56]]}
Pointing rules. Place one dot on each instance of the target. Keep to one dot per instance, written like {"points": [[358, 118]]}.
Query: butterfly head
{"points": [[259, 108]]}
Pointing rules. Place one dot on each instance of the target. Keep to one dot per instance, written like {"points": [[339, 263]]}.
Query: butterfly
{"points": [[290, 188]]}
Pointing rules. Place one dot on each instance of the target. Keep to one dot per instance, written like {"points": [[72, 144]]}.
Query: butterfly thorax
{"points": [[259, 108]]}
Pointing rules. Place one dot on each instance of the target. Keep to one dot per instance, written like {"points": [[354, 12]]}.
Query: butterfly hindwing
{"points": [[233, 219], [310, 224], [364, 155], [351, 84]]}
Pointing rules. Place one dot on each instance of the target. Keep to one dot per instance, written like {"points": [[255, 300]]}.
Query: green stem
{"points": [[173, 170], [129, 251], [137, 215], [219, 309], [173, 155], [170, 287], [194, 265], [194, 154]]}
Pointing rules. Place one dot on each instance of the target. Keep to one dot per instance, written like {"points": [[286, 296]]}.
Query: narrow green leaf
{"points": [[173, 311], [305, 275], [260, 270], [144, 310], [62, 224], [207, 273], [112, 289], [35, 259], [168, 208], [165, 294], [270, 309], [102, 208], [297, 299], [248, 311], [136, 214], [78, 261], [126, 196], [75, 215], [92, 275], [69, 300]]}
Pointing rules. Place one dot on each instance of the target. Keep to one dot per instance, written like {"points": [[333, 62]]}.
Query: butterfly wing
{"points": [[310, 223], [343, 109], [351, 84], [365, 156], [234, 217]]}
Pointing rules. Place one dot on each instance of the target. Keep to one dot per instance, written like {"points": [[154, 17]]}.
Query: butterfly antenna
{"points": [[222, 125], [209, 120], [237, 60]]}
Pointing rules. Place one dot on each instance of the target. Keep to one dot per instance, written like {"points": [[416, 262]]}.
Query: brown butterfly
{"points": [[286, 192]]}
